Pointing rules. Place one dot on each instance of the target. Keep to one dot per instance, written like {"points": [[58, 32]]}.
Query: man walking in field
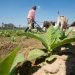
{"points": [[31, 18]]}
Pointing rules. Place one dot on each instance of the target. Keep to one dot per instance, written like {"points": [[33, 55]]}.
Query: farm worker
{"points": [[31, 18]]}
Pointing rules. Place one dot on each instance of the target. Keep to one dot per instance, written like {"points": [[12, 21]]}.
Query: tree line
{"points": [[10, 26]]}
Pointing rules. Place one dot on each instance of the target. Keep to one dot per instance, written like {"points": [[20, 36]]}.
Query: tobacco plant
{"points": [[53, 38]]}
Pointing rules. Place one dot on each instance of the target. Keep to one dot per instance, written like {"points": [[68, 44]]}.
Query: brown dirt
{"points": [[29, 44], [6, 46], [63, 65]]}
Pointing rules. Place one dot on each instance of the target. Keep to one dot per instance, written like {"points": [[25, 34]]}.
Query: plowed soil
{"points": [[63, 65]]}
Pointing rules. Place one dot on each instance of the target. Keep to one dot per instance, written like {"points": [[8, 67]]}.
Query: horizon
{"points": [[15, 11]]}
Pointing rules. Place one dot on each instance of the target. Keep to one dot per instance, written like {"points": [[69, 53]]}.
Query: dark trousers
{"points": [[30, 25]]}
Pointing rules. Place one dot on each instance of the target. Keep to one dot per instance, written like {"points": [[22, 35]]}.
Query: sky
{"points": [[15, 11]]}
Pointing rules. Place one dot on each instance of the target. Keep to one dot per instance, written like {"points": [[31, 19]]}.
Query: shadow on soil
{"points": [[70, 62], [27, 69]]}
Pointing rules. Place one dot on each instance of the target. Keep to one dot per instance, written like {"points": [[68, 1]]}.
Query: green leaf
{"points": [[40, 37], [51, 58], [68, 31], [34, 54], [0, 59], [19, 58], [5, 65], [64, 41]]}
